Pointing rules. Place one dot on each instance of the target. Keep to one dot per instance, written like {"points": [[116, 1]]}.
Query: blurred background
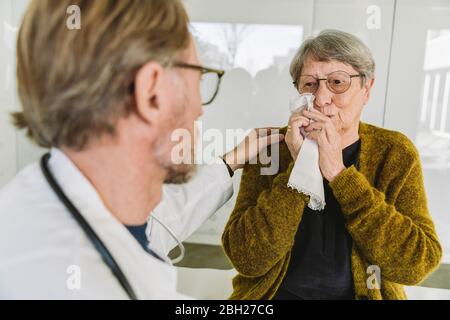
{"points": [[254, 41]]}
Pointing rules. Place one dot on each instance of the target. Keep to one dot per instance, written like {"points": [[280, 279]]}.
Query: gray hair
{"points": [[335, 45], [74, 86]]}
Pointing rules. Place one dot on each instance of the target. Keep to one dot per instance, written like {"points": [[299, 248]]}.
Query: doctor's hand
{"points": [[294, 138], [324, 132], [256, 141]]}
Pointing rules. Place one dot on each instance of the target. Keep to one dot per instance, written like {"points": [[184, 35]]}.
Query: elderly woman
{"points": [[374, 235]]}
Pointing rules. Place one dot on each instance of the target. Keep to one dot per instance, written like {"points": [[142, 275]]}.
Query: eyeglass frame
{"points": [[351, 76], [204, 70]]}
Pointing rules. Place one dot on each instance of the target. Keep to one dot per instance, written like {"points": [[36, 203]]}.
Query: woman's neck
{"points": [[349, 136]]}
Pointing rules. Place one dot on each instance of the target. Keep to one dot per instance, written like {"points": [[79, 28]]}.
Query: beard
{"points": [[180, 173]]}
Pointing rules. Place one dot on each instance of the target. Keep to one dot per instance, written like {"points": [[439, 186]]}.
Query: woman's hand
{"points": [[329, 140], [251, 146], [294, 139]]}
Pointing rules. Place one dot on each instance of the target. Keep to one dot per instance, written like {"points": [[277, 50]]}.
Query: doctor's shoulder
{"points": [[43, 253], [25, 191]]}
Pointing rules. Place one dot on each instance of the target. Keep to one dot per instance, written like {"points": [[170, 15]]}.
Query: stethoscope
{"points": [[92, 235]]}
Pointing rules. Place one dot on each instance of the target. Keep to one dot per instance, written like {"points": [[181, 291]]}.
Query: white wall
{"points": [[7, 94], [15, 150]]}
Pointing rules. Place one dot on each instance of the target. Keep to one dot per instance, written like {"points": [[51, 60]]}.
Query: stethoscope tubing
{"points": [[93, 237]]}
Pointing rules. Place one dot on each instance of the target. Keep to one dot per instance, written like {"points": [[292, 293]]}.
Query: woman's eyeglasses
{"points": [[210, 83], [337, 82]]}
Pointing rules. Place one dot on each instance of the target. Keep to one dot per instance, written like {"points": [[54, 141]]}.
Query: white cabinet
{"points": [[418, 97]]}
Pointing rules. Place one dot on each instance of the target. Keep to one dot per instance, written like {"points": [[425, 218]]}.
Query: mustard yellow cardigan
{"points": [[384, 205]]}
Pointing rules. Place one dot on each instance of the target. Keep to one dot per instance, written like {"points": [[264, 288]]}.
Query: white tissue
{"points": [[301, 101], [306, 177]]}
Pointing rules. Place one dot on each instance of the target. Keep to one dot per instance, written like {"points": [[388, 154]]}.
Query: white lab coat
{"points": [[44, 254]]}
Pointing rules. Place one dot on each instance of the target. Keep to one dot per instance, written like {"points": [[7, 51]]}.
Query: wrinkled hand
{"points": [[294, 138], [256, 141], [324, 132]]}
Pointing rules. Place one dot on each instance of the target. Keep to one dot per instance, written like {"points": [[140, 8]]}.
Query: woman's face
{"points": [[344, 109]]}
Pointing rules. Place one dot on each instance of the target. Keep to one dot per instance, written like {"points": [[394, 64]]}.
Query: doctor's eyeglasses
{"points": [[210, 83], [337, 82]]}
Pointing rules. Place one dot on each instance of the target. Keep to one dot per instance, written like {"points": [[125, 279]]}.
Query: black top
{"points": [[138, 233], [320, 265]]}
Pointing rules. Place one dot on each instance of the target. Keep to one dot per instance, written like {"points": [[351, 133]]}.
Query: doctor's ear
{"points": [[148, 86]]}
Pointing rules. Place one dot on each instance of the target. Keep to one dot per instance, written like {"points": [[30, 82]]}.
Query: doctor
{"points": [[105, 98]]}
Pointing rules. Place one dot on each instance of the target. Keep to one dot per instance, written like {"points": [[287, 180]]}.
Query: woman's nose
{"points": [[323, 96]]}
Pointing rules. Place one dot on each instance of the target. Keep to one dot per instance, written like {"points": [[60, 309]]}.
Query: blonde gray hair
{"points": [[75, 84], [335, 45]]}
